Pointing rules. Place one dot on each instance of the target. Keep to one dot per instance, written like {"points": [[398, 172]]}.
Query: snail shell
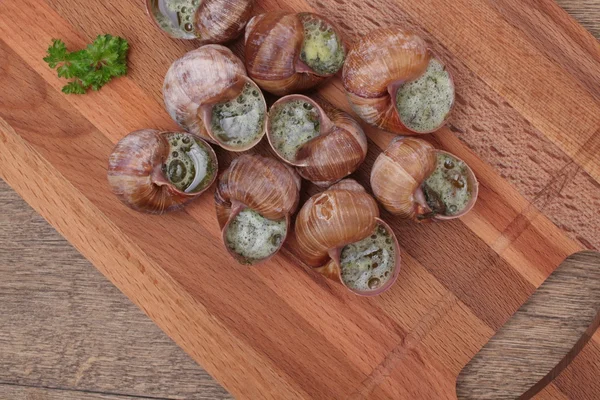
{"points": [[286, 53], [254, 199], [208, 21], [339, 233], [323, 143], [394, 83], [413, 180], [146, 174], [208, 93]]}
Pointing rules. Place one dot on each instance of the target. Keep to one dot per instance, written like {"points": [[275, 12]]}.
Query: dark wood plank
{"points": [[16, 392], [542, 338], [64, 325], [585, 12]]}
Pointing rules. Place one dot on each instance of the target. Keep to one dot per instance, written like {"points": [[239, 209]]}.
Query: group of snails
{"points": [[392, 81]]}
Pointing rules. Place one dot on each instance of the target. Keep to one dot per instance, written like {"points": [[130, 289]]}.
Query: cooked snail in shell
{"points": [[394, 82], [323, 143], [286, 53], [255, 198], [340, 234], [208, 93], [208, 21], [156, 172], [414, 180]]}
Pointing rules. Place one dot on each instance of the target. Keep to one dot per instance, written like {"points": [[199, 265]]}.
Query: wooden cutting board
{"points": [[527, 120]]}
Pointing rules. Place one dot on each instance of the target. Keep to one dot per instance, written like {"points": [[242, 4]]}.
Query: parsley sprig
{"points": [[92, 67]]}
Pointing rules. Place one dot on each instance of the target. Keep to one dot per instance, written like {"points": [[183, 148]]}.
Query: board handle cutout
{"points": [[540, 340]]}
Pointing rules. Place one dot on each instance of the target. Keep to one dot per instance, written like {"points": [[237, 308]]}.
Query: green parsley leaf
{"points": [[92, 67]]}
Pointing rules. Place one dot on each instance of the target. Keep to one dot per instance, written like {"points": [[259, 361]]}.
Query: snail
{"points": [[323, 143], [286, 53], [208, 21], [208, 93], [413, 180], [255, 198], [156, 172], [339, 233], [394, 82]]}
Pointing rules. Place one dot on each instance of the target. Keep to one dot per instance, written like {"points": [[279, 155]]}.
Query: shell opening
{"points": [[448, 190], [188, 165], [293, 124], [254, 237], [322, 48], [240, 121], [369, 264], [176, 17], [423, 104]]}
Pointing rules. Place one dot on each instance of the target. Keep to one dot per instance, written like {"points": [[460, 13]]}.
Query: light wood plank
{"points": [[280, 331]]}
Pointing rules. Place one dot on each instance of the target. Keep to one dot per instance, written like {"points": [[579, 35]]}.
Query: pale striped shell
{"points": [[375, 67], [337, 152], [197, 81], [135, 173]]}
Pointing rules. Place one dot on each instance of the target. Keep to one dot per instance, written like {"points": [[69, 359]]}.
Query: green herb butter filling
{"points": [[369, 264], [322, 49], [448, 190], [253, 236], [424, 104], [292, 125], [240, 121], [176, 16], [188, 166]]}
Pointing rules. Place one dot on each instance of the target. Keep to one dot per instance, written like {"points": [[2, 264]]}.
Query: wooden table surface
{"points": [[68, 333]]}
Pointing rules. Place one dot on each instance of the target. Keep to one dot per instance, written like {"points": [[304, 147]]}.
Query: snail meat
{"points": [[237, 122], [339, 233], [414, 180], [255, 198], [323, 143], [253, 236], [424, 104], [286, 53], [394, 82], [447, 190], [208, 93], [209, 21], [369, 263], [292, 125], [156, 172]]}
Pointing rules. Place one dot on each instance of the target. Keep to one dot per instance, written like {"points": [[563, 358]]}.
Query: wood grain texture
{"points": [[66, 327], [39, 393], [541, 338], [527, 120]]}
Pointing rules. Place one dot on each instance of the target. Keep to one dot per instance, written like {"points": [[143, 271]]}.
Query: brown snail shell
{"points": [[379, 65], [208, 21], [342, 215], [137, 165], [399, 173], [211, 83], [337, 149], [262, 185], [284, 53]]}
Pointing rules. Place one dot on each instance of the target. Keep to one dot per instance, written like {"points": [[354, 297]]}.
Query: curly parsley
{"points": [[92, 67]]}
